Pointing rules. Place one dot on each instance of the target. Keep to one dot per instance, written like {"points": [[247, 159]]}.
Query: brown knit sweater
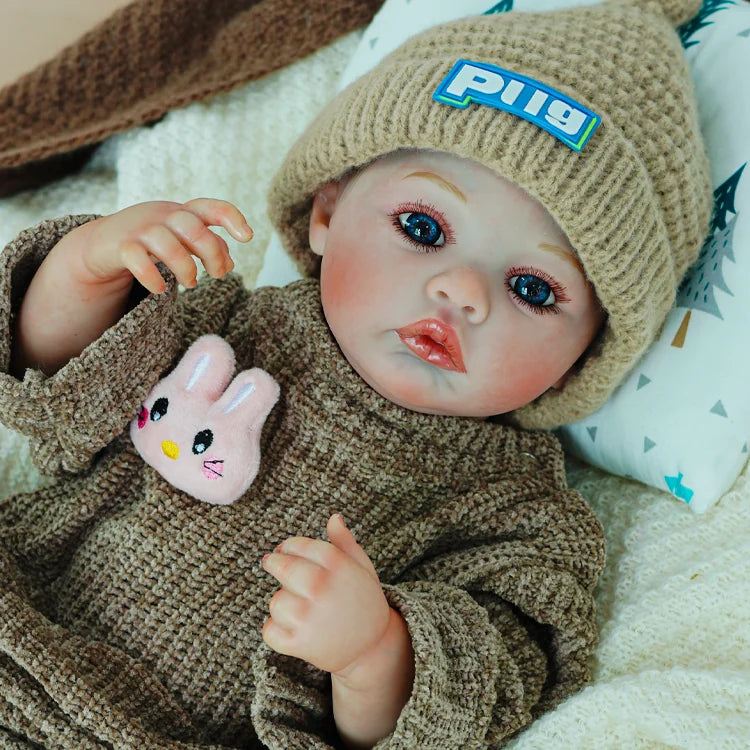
{"points": [[130, 614]]}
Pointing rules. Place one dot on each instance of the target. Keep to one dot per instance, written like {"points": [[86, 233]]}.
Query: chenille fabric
{"points": [[130, 613], [634, 203]]}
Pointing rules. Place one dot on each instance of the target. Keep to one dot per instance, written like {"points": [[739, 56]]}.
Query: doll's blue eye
{"points": [[532, 289], [421, 228]]}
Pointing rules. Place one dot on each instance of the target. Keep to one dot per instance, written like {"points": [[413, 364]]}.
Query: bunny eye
{"points": [[159, 409], [202, 440]]}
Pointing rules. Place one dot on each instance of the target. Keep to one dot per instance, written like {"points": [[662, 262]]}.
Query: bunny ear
{"points": [[199, 368], [205, 368], [243, 393], [250, 397]]}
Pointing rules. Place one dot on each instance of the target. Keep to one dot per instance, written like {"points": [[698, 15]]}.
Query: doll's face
{"points": [[449, 289]]}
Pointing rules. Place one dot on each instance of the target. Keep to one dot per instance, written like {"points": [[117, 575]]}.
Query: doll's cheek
{"points": [[339, 285], [352, 282]]}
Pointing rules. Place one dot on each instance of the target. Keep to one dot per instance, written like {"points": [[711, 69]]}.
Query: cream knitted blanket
{"points": [[673, 666]]}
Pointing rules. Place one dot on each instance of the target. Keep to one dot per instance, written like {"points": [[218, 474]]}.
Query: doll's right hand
{"points": [[83, 285], [131, 242]]}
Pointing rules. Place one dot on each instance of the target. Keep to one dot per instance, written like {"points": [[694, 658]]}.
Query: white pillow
{"points": [[681, 421]]}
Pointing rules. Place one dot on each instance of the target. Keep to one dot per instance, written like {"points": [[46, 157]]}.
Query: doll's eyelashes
{"points": [[532, 289], [422, 225], [536, 290], [421, 228], [202, 441], [159, 409]]}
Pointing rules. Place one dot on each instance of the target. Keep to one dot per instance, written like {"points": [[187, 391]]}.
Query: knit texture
{"points": [[194, 151], [635, 202], [673, 605], [149, 57], [672, 668], [130, 613]]}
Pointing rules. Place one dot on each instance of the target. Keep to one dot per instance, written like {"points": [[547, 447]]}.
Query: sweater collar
{"points": [[339, 387]]}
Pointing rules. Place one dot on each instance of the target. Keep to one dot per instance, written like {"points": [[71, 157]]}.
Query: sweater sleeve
{"points": [[502, 623], [73, 414], [501, 629]]}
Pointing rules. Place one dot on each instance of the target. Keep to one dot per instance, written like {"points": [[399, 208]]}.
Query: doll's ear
{"points": [[324, 204], [205, 368], [249, 398]]}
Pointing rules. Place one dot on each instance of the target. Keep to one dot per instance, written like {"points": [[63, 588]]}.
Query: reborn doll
{"points": [[494, 222]]}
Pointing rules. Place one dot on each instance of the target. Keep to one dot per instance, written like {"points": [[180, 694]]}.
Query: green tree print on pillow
{"points": [[502, 7], [697, 289], [698, 22]]}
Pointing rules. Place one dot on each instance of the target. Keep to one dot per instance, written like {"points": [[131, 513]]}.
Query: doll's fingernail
{"points": [[247, 230], [266, 556]]}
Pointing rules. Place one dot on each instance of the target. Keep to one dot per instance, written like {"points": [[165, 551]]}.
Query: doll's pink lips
{"points": [[434, 342]]}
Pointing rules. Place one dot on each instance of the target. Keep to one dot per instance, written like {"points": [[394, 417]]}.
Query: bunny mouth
{"points": [[212, 468]]}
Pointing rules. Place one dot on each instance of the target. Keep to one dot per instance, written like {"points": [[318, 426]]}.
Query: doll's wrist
{"points": [[393, 652], [371, 692]]}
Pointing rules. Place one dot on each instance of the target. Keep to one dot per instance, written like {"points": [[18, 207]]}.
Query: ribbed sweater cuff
{"points": [[456, 661], [143, 343]]}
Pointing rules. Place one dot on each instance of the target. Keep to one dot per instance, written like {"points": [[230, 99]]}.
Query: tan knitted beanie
{"points": [[634, 201]]}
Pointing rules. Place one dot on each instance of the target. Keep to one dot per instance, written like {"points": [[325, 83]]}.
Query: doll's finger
{"points": [[218, 213], [314, 550], [168, 248], [136, 258], [342, 538], [297, 575], [287, 609], [201, 241], [277, 638]]}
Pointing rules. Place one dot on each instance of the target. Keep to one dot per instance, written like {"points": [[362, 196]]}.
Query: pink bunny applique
{"points": [[201, 435]]}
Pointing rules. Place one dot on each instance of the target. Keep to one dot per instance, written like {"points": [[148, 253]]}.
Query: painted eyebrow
{"points": [[564, 254], [440, 182]]}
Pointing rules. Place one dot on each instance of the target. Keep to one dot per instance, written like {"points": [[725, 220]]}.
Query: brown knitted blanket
{"points": [[146, 59]]}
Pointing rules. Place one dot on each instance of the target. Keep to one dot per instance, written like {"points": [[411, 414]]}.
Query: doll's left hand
{"points": [[330, 609]]}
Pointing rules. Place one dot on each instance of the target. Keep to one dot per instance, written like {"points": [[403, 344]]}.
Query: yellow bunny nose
{"points": [[170, 449]]}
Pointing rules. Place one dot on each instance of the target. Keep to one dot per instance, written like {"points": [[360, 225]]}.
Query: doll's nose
{"points": [[465, 289], [170, 449]]}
